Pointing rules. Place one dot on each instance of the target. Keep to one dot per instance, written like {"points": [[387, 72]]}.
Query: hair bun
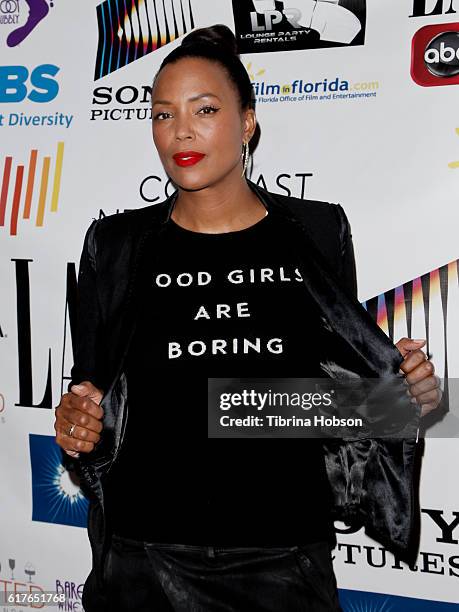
{"points": [[218, 34]]}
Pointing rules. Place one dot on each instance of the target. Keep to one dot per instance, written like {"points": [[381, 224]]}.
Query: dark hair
{"points": [[216, 43]]}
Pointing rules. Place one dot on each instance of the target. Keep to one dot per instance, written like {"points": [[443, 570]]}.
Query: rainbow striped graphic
{"points": [[426, 307], [24, 188], [131, 29]]}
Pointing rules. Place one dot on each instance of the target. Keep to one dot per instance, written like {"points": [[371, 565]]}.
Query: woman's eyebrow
{"points": [[192, 99]]}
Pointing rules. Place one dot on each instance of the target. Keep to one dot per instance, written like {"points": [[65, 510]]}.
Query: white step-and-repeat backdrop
{"points": [[357, 102]]}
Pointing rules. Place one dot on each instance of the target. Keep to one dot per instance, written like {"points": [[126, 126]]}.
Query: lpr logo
{"points": [[435, 55]]}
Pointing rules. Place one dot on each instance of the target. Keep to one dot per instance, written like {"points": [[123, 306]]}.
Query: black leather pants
{"points": [[157, 577]]}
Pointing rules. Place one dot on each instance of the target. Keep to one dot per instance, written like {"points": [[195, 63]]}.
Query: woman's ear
{"points": [[250, 124]]}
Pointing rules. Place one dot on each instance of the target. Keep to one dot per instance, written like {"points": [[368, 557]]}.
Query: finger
{"points": [[424, 384], [426, 408], [412, 360], [72, 453], [82, 421], [417, 366], [79, 389], [70, 401], [428, 397], [67, 443], [85, 404], [405, 345], [79, 432], [72, 444], [87, 389]]}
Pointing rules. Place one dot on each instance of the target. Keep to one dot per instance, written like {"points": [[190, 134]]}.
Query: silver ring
{"points": [[71, 429]]}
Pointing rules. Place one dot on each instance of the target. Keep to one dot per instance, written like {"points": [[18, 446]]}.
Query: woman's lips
{"points": [[187, 158]]}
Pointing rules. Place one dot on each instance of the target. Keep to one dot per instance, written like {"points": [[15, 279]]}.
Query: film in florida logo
{"points": [[271, 25]]}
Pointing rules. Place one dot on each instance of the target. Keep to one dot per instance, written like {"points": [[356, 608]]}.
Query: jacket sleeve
{"points": [[348, 267], [87, 334]]}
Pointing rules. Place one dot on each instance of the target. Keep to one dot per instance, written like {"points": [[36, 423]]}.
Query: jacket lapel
{"points": [[143, 235], [145, 247], [341, 312]]}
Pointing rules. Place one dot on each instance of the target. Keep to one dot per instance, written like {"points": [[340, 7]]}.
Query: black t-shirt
{"points": [[218, 305]]}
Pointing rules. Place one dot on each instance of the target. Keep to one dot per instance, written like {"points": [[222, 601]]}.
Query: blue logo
{"points": [[14, 85], [361, 601], [55, 497]]}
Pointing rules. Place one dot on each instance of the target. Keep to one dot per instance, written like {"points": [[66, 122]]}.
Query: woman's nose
{"points": [[183, 128]]}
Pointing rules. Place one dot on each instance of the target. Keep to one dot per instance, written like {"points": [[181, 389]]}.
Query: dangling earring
{"points": [[245, 156]]}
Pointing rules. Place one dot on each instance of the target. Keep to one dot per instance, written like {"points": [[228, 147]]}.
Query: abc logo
{"points": [[435, 55], [442, 55]]}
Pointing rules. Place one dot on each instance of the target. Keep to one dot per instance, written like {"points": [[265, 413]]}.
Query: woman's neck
{"points": [[219, 208]]}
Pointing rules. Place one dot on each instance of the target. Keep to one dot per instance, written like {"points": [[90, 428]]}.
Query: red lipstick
{"points": [[187, 158]]}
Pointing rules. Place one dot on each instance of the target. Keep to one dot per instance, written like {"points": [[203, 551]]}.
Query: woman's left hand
{"points": [[419, 372]]}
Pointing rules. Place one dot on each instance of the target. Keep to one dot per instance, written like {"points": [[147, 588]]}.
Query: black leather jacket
{"points": [[372, 478]]}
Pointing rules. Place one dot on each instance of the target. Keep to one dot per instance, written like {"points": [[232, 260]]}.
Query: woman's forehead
{"points": [[194, 76]]}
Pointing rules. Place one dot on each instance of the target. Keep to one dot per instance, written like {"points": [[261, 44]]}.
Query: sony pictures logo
{"points": [[435, 55]]}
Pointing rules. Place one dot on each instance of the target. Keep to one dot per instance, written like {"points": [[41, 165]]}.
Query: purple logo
{"points": [[38, 9]]}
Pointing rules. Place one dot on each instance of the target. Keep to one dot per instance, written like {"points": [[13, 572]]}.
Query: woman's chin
{"points": [[189, 183]]}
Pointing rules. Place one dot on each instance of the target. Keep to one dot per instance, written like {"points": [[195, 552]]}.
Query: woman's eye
{"points": [[211, 108], [158, 115]]}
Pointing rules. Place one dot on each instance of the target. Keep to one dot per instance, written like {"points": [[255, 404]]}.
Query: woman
{"points": [[210, 282]]}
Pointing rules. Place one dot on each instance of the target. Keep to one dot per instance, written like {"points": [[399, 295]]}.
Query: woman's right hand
{"points": [[81, 408]]}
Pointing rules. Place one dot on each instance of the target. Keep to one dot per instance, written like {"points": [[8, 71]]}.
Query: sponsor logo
{"points": [[362, 601], [131, 30], [427, 8], [8, 7], [126, 103], [55, 497], [302, 90], [435, 55], [437, 558], [9, 12], [153, 188], [270, 25], [72, 592], [25, 336], [442, 55], [24, 22], [17, 84], [18, 580], [35, 185], [127, 33]]}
